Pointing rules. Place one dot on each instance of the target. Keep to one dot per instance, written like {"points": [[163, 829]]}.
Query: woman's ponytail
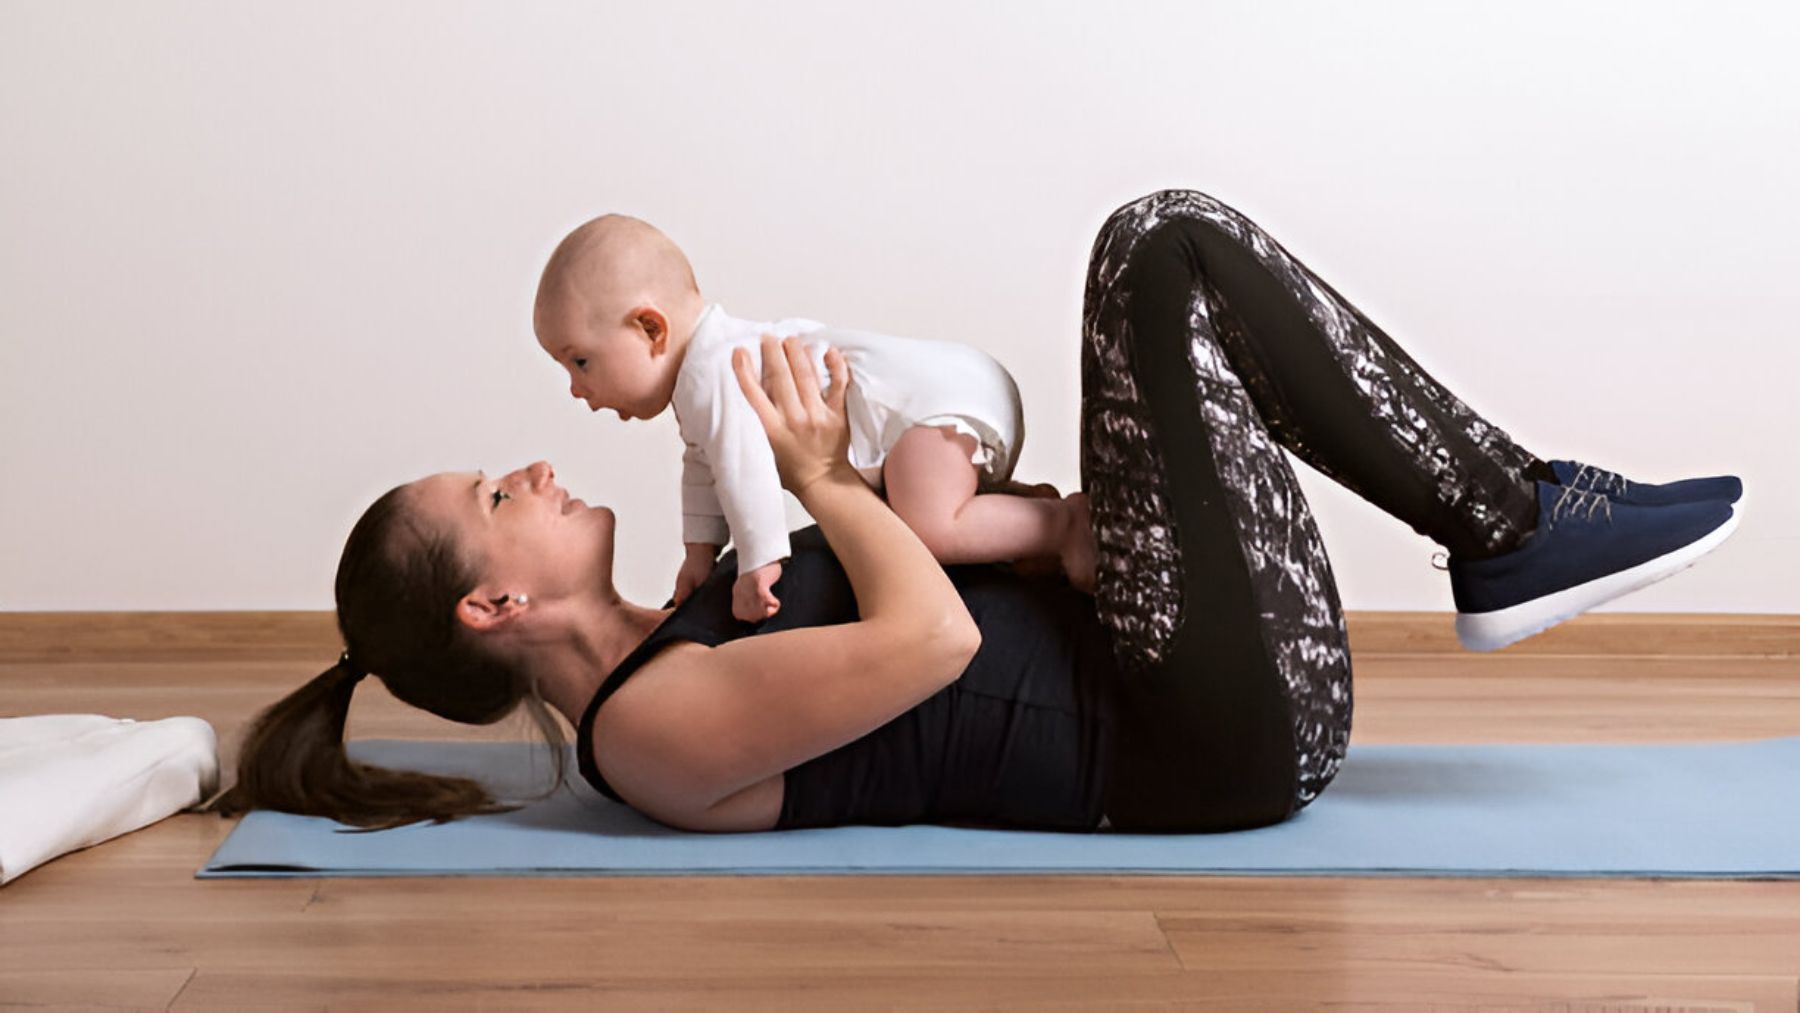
{"points": [[293, 760]]}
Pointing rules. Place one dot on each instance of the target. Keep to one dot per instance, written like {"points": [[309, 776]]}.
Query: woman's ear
{"points": [[481, 613]]}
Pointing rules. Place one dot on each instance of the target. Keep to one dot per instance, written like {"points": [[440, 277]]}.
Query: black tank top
{"points": [[1019, 741]]}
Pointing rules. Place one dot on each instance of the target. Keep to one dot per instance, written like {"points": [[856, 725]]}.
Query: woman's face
{"points": [[522, 532]]}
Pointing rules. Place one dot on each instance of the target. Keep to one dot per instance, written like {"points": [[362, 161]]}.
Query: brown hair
{"points": [[398, 583]]}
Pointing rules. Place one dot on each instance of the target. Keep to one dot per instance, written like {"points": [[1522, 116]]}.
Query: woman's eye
{"points": [[498, 496], [581, 364]]}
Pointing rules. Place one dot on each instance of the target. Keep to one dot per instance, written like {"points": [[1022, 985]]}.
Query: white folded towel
{"points": [[68, 781]]}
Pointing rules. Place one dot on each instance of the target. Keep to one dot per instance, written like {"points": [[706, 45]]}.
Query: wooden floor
{"points": [[125, 924]]}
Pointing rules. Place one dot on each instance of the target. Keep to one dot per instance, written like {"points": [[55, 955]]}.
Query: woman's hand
{"points": [[809, 434]]}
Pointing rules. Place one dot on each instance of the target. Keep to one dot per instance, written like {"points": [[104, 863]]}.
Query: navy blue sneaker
{"points": [[1614, 486], [1587, 549]]}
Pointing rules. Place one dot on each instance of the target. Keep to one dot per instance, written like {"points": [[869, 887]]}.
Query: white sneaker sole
{"points": [[1490, 631]]}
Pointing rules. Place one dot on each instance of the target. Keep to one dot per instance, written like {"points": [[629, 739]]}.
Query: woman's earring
{"points": [[522, 599]]}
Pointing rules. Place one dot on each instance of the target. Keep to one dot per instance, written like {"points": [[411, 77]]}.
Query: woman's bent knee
{"points": [[1167, 226], [1153, 208]]}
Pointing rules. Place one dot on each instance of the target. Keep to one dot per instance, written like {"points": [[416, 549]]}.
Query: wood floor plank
{"points": [[152, 636], [1596, 634], [1249, 941], [603, 944], [145, 988], [1346, 899], [1301, 989]]}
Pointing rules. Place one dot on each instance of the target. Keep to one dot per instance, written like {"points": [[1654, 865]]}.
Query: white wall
{"points": [[262, 261]]}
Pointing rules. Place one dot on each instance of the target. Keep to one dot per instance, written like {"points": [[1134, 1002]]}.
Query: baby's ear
{"points": [[654, 325]]}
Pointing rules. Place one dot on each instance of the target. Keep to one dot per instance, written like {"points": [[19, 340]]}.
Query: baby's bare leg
{"points": [[931, 485]]}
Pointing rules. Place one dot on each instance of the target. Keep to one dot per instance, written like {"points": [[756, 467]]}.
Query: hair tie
{"points": [[356, 672]]}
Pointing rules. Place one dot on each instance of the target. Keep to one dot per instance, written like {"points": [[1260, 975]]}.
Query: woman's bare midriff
{"points": [[757, 807]]}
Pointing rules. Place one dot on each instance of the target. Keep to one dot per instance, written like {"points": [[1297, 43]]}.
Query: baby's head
{"points": [[615, 307]]}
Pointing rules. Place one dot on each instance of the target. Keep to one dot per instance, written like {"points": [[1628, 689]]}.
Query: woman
{"points": [[1206, 685]]}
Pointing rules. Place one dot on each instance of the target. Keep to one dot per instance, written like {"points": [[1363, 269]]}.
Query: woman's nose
{"points": [[539, 474]]}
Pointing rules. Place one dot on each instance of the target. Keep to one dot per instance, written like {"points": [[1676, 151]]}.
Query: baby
{"points": [[936, 426]]}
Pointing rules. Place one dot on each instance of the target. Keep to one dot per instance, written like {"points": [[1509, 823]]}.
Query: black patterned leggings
{"points": [[1206, 349]]}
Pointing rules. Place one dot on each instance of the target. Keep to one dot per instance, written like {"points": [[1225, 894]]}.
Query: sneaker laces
{"points": [[1583, 502], [1607, 483], [1572, 501]]}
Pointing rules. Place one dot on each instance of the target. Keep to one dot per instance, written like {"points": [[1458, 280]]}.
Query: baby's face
{"points": [[609, 366]]}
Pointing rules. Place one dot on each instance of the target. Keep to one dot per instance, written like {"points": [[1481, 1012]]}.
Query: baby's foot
{"points": [[1078, 547]]}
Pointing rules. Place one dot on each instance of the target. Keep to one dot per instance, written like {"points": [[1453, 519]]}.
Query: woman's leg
{"points": [[1206, 349], [1332, 386]]}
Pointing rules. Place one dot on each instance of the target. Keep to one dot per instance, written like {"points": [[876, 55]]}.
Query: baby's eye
{"points": [[581, 364], [498, 496]]}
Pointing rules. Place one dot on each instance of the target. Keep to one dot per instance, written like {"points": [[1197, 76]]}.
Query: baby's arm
{"points": [[696, 565], [703, 528], [729, 485]]}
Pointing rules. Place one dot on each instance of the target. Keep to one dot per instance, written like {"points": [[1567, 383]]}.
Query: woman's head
{"points": [[520, 533], [429, 592]]}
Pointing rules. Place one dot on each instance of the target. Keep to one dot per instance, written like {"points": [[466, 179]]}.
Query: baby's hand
{"points": [[751, 599], [694, 570]]}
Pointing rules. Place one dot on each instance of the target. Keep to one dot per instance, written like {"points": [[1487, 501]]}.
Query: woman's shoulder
{"points": [[630, 734]]}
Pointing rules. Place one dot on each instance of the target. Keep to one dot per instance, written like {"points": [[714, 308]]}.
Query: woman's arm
{"points": [[715, 721], [896, 579]]}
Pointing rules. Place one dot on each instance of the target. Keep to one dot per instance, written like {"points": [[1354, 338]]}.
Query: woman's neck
{"points": [[570, 673]]}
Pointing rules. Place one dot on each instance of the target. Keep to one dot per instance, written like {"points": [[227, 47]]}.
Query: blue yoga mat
{"points": [[1710, 810]]}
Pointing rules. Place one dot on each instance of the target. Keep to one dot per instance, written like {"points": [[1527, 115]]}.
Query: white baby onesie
{"points": [[729, 486]]}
